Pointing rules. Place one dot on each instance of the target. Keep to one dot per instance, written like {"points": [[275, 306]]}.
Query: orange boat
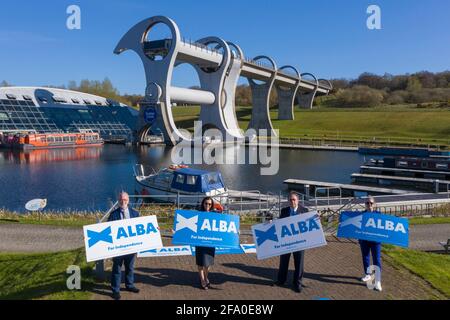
{"points": [[52, 140]]}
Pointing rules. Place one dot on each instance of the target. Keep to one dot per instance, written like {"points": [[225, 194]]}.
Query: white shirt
{"points": [[125, 213]]}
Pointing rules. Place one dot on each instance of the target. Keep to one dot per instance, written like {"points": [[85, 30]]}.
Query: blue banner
{"points": [[206, 229], [374, 226]]}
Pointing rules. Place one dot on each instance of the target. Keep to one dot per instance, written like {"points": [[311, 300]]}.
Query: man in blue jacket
{"points": [[294, 209], [123, 212]]}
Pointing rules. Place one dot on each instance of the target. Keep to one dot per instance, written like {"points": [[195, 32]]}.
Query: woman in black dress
{"points": [[204, 256]]}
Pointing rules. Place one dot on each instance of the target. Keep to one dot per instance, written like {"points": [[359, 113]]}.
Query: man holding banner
{"points": [[294, 209], [123, 212]]}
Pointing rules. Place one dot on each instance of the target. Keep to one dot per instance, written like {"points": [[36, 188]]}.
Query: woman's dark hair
{"points": [[202, 206]]}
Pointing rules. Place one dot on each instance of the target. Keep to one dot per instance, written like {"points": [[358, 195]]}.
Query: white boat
{"points": [[181, 184]]}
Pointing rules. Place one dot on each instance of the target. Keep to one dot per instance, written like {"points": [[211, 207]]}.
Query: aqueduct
{"points": [[219, 64]]}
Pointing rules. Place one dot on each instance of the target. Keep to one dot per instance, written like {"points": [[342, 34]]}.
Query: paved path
{"points": [[16, 237], [426, 237], [332, 272]]}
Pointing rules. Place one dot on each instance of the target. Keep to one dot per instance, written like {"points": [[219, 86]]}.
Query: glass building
{"points": [[28, 109]]}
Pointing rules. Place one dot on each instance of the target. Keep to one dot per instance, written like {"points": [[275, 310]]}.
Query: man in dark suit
{"points": [[294, 209], [123, 212]]}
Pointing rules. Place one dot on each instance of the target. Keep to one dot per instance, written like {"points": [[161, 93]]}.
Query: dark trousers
{"points": [[368, 247], [284, 266], [116, 275]]}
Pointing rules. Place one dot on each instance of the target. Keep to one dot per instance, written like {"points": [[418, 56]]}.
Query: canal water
{"points": [[90, 178]]}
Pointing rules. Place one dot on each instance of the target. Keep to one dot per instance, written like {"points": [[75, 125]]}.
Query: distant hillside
{"points": [[368, 90]]}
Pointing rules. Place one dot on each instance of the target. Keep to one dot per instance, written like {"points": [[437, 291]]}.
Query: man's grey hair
{"points": [[293, 193], [371, 199], [123, 193]]}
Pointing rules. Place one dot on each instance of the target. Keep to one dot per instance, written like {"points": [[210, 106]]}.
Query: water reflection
{"points": [[50, 155], [90, 178]]}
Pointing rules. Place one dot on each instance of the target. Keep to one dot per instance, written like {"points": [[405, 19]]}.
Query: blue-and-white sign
{"points": [[150, 114], [243, 248], [121, 237], [374, 226], [169, 251], [207, 229], [190, 250], [296, 233]]}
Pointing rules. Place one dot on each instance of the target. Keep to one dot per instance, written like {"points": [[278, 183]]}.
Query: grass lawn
{"points": [[53, 219], [433, 268], [431, 220], [403, 123], [43, 276]]}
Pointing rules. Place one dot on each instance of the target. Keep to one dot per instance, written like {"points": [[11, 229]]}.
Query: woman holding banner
{"points": [[371, 248], [204, 256]]}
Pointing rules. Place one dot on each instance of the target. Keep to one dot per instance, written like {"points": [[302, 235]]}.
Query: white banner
{"points": [[296, 233], [121, 237], [166, 252]]}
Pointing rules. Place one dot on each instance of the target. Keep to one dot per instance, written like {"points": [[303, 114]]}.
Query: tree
{"points": [[413, 84]]}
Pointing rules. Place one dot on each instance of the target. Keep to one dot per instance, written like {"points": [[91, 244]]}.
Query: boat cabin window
{"points": [[26, 97], [180, 178], [441, 166], [192, 180], [402, 163], [212, 178]]}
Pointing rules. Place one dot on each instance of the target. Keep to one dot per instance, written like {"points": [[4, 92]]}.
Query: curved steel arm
{"points": [[310, 74], [292, 68], [238, 49], [272, 62], [330, 85]]}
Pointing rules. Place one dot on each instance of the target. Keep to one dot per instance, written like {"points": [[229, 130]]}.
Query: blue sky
{"points": [[328, 38]]}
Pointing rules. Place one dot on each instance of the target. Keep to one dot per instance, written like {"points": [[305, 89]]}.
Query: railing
{"points": [[328, 197], [200, 46], [259, 64], [342, 140]]}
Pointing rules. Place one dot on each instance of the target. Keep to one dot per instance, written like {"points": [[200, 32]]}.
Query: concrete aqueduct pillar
{"points": [[286, 97], [306, 99], [260, 118]]}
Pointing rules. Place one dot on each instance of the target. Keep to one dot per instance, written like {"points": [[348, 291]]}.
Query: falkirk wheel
{"points": [[219, 64]]}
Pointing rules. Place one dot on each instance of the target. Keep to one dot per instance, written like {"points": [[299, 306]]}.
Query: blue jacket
{"points": [[286, 212], [115, 215]]}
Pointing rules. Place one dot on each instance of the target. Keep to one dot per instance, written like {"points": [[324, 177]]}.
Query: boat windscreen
{"points": [[197, 183], [212, 181]]}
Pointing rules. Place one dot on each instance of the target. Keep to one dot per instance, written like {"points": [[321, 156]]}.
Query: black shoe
{"points": [[116, 295], [277, 284], [133, 289], [297, 288]]}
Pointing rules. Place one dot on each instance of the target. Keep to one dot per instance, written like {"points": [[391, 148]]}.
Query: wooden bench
{"points": [[446, 245]]}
